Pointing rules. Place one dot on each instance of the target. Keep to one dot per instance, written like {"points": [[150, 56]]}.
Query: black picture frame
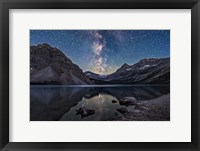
{"points": [[5, 5]]}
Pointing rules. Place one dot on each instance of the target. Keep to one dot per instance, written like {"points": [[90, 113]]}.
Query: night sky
{"points": [[104, 51]]}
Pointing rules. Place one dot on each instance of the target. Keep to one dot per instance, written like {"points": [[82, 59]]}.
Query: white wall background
{"points": [[178, 129]]}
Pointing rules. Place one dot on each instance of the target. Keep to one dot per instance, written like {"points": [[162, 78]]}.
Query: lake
{"points": [[100, 103]]}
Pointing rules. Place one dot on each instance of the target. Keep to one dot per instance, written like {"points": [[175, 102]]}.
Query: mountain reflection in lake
{"points": [[104, 103]]}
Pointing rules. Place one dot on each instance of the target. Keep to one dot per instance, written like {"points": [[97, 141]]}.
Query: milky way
{"points": [[104, 51]]}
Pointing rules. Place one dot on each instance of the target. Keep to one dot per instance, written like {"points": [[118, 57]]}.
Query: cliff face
{"points": [[49, 65]]}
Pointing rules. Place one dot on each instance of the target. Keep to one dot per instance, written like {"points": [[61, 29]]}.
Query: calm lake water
{"points": [[75, 103]]}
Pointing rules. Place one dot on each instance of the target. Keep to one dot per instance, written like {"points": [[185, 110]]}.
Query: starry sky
{"points": [[104, 51]]}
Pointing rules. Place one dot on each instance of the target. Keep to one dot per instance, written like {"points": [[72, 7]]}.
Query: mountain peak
{"points": [[41, 46], [47, 60], [125, 65], [44, 45]]}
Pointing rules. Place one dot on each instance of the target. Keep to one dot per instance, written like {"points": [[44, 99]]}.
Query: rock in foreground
{"points": [[84, 112], [152, 110], [127, 101]]}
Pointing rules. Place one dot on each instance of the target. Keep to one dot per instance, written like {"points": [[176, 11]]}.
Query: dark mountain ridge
{"points": [[49, 65], [146, 71]]}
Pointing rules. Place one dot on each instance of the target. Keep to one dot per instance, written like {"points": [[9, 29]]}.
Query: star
{"points": [[104, 51]]}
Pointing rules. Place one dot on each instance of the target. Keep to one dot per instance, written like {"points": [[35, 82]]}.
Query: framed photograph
{"points": [[85, 75]]}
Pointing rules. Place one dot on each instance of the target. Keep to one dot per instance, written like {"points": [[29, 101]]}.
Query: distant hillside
{"points": [[146, 71]]}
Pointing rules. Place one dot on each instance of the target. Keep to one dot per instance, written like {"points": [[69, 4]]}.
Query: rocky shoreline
{"points": [[150, 110]]}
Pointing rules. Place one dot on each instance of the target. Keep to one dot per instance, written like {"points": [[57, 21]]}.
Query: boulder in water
{"points": [[127, 101], [84, 112]]}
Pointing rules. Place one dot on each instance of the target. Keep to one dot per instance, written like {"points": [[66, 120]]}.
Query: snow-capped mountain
{"points": [[146, 71], [49, 65]]}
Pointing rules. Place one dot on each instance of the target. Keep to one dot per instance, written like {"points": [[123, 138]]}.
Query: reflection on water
{"points": [[52, 103]]}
